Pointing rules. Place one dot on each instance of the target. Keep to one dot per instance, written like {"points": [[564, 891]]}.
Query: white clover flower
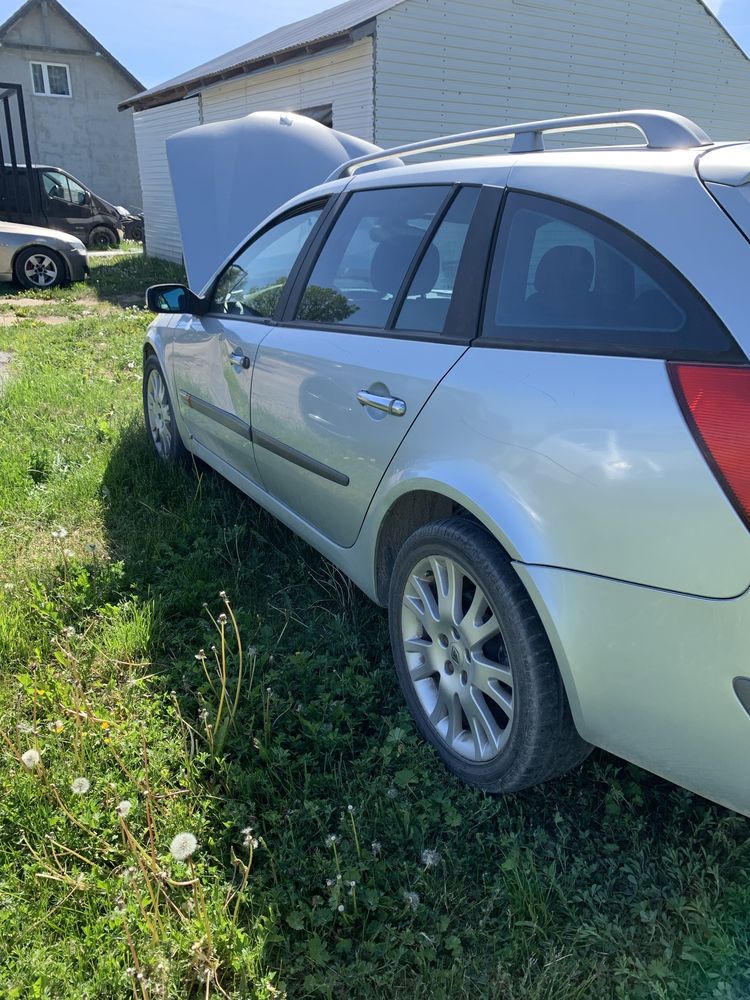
{"points": [[350, 809], [183, 846], [430, 858], [123, 808], [411, 899], [341, 907], [332, 839], [60, 533], [392, 792], [80, 786], [31, 760]]}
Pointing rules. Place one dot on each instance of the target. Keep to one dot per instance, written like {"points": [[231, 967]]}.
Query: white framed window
{"points": [[50, 79]]}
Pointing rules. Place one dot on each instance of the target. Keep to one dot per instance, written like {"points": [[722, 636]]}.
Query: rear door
{"points": [[367, 338], [213, 356]]}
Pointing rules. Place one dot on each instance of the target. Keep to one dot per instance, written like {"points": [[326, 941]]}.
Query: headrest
{"points": [[564, 269], [392, 258]]}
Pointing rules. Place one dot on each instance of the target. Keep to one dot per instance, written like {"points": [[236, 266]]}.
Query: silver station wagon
{"points": [[509, 396]]}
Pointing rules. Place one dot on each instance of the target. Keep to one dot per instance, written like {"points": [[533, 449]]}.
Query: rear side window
{"points": [[428, 299], [367, 255], [565, 279]]}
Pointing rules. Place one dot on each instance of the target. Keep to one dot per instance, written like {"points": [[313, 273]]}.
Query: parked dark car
{"points": [[56, 200]]}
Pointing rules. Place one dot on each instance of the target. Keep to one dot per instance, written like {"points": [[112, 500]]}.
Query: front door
{"points": [[213, 356], [65, 203], [336, 391]]}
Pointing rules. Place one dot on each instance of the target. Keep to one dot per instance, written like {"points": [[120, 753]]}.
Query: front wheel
{"points": [[102, 238], [39, 267], [474, 662], [158, 414]]}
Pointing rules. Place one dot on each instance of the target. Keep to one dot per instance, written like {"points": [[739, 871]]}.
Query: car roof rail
{"points": [[661, 130]]}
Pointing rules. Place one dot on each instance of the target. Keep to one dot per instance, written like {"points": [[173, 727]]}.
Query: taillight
{"points": [[716, 402]]}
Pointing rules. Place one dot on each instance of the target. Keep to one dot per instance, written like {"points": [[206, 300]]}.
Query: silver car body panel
{"points": [[15, 237], [582, 466]]}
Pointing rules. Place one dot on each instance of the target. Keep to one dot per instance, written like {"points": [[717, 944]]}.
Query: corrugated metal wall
{"points": [[450, 65], [343, 79], [152, 129]]}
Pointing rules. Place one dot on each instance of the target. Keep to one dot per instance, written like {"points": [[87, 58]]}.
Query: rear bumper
{"points": [[649, 675]]}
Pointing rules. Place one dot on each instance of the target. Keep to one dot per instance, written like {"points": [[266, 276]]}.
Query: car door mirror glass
{"points": [[173, 299]]}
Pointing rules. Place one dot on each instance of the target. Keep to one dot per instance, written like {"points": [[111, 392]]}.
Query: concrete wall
{"points": [[84, 133], [445, 66]]}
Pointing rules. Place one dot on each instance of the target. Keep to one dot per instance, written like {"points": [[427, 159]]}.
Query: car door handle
{"points": [[388, 404], [239, 360]]}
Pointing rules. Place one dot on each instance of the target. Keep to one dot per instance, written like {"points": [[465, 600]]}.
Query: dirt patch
{"points": [[130, 300], [10, 319], [5, 360], [25, 301]]}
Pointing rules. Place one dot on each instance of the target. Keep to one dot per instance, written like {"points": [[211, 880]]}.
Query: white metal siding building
{"points": [[395, 72]]}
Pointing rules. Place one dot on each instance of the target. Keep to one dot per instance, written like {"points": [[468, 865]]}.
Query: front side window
{"points": [[252, 284], [63, 188], [50, 79], [367, 255], [565, 278]]}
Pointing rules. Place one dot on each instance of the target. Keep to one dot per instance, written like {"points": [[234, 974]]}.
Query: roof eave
{"points": [[169, 95]]}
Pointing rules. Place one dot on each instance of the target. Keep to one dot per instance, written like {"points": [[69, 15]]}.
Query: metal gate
{"points": [[19, 197]]}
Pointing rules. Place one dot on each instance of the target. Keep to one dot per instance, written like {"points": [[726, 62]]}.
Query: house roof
{"points": [[57, 7], [306, 37]]}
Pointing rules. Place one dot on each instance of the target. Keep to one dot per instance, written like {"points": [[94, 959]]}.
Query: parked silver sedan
{"points": [[40, 258], [509, 396]]}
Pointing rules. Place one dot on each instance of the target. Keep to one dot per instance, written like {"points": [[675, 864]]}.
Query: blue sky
{"points": [[157, 39]]}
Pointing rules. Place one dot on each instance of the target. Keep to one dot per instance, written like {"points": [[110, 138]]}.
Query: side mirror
{"points": [[174, 299]]}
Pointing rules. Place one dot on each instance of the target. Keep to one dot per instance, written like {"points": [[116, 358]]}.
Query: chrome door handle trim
{"points": [[239, 360], [388, 404]]}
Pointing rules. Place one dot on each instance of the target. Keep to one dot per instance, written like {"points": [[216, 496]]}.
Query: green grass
{"points": [[606, 883]]}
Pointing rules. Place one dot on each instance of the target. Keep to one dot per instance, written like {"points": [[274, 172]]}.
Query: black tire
{"points": [[161, 425], [538, 740], [39, 268], [102, 238]]}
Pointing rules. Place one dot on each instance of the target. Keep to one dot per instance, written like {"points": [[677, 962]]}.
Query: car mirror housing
{"points": [[174, 299]]}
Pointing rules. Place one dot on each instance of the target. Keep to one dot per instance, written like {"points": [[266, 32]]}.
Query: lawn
{"points": [[174, 662]]}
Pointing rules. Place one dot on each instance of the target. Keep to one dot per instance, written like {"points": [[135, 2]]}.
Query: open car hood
{"points": [[229, 176]]}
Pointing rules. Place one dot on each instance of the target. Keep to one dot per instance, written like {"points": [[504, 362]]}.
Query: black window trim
{"points": [[734, 355], [327, 204], [450, 335]]}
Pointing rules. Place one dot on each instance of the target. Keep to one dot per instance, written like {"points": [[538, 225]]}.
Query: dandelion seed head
{"points": [[332, 839], [201, 654], [350, 809], [183, 846], [60, 533], [223, 595], [69, 631], [222, 619], [377, 848], [430, 858], [25, 727], [56, 727], [123, 808], [31, 759], [411, 899], [80, 786], [330, 883], [392, 792], [341, 907]]}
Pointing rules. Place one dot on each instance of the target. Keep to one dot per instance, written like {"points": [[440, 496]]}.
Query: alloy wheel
{"points": [[159, 413], [40, 270], [457, 659]]}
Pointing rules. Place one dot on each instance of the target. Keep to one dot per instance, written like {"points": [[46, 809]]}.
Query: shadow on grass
{"points": [[539, 892]]}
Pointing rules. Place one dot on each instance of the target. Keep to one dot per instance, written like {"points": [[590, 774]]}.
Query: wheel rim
{"points": [[40, 270], [101, 239], [159, 413], [457, 659]]}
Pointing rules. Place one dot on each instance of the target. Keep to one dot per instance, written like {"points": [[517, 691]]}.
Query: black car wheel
{"points": [[102, 238], [474, 662], [40, 267]]}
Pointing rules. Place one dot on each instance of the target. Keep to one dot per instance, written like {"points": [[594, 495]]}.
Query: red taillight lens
{"points": [[716, 402]]}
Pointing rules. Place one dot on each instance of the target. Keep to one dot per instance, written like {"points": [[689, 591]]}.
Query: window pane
{"points": [[365, 259], [562, 276], [77, 194], [37, 74], [56, 185], [58, 80], [253, 282], [430, 293]]}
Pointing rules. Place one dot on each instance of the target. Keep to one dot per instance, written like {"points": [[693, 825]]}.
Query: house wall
{"points": [[343, 79], [152, 129], [84, 133], [444, 66]]}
